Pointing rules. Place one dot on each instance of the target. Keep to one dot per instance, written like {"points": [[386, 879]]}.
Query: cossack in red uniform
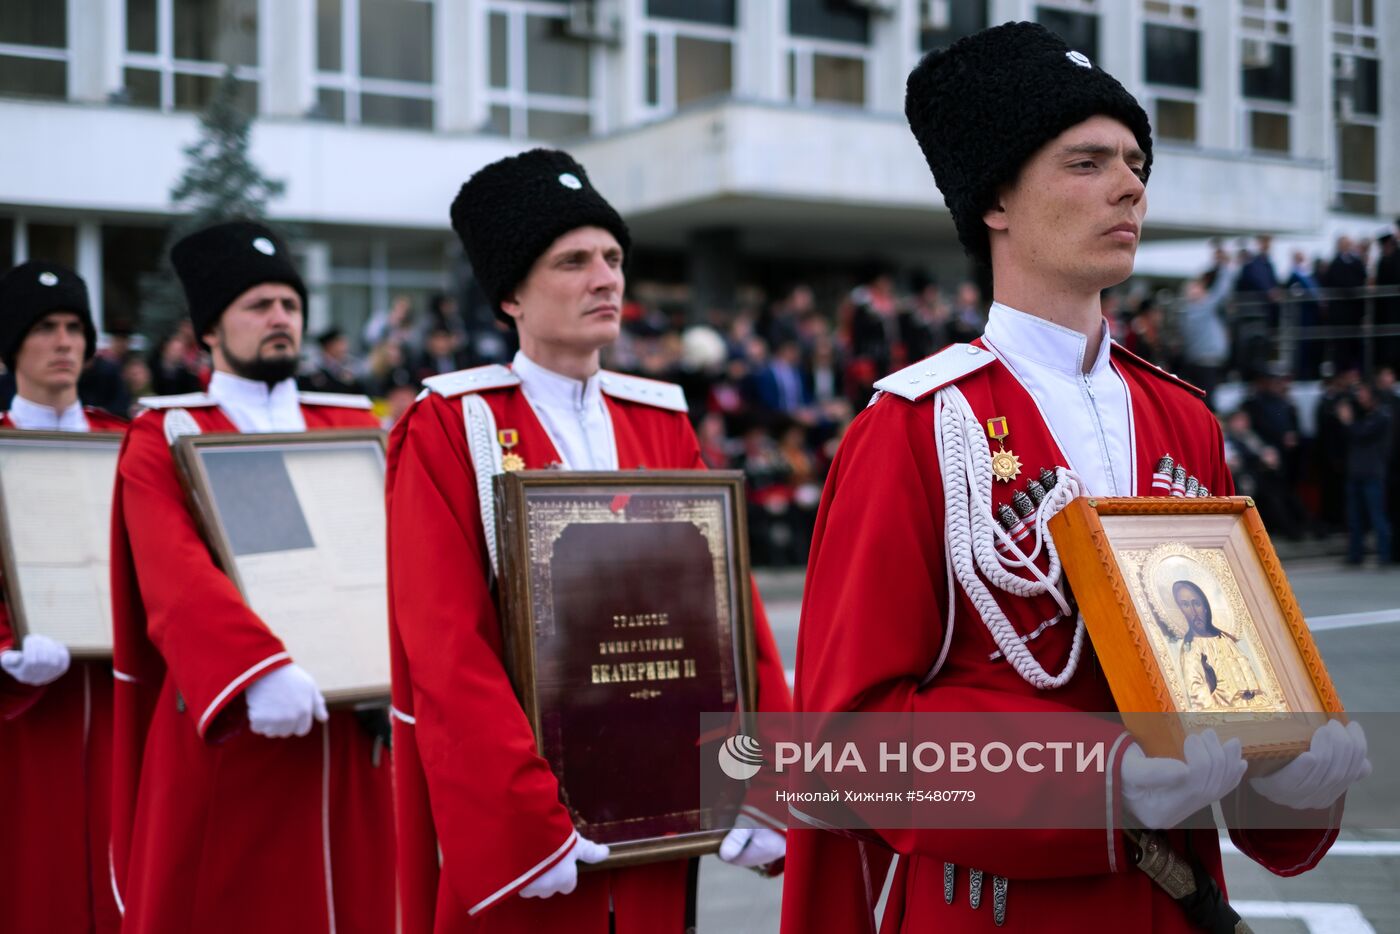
{"points": [[216, 828], [478, 809], [56, 750], [885, 553]]}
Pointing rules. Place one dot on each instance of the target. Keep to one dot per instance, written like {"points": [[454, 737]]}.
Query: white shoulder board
{"points": [[477, 379], [950, 364], [189, 400], [643, 390], [344, 400]]}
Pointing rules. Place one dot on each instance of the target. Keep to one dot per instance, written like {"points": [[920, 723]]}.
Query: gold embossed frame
{"points": [[1191, 615], [626, 610]]}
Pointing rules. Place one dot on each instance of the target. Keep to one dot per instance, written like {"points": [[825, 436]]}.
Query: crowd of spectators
{"points": [[1307, 404]]}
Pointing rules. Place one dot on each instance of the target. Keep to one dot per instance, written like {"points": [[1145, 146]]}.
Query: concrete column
{"points": [[96, 42], [287, 56], [1312, 80], [1120, 44], [895, 42], [1217, 121], [714, 269], [316, 271], [1388, 135], [88, 247], [462, 43], [760, 62], [1006, 11], [623, 72]]}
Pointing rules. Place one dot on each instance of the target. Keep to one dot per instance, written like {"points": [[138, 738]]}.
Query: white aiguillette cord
{"points": [[480, 424], [972, 533]]}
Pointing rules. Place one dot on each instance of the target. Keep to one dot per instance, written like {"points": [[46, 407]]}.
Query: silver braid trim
{"points": [[972, 534], [178, 423], [480, 423]]}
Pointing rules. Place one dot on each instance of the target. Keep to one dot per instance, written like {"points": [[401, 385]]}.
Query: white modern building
{"points": [[748, 142]]}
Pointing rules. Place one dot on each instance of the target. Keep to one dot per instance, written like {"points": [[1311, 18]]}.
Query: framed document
{"points": [[1191, 615], [627, 613], [56, 533], [297, 522]]}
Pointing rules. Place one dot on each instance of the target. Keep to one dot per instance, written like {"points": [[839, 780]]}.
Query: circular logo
{"points": [[264, 246], [1080, 59], [570, 180], [48, 278], [740, 757]]}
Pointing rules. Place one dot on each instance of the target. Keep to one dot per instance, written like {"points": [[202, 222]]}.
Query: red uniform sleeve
{"points": [[873, 622], [212, 644], [495, 802]]}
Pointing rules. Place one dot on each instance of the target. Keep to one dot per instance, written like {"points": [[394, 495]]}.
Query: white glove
{"points": [[43, 660], [751, 847], [1162, 792], [1335, 760], [283, 701], [562, 877]]}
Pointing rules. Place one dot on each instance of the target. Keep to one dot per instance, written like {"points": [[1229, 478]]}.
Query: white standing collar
{"points": [[1041, 342], [35, 417], [546, 387], [254, 406]]}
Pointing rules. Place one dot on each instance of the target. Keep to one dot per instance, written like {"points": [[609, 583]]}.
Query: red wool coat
{"points": [[874, 619], [215, 828], [479, 815], [55, 769]]}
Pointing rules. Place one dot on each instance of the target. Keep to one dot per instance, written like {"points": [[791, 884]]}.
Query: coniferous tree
{"points": [[221, 183]]}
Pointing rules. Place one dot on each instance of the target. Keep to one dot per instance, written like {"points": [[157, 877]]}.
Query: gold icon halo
{"points": [[1005, 465]]}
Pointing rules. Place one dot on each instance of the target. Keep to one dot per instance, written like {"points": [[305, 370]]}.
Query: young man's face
{"points": [[50, 357], [1073, 217], [572, 297], [259, 335]]}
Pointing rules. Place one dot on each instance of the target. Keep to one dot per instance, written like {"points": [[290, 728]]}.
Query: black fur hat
{"points": [[32, 290], [984, 105], [220, 263], [509, 212]]}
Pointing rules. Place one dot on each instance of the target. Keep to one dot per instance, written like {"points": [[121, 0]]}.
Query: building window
{"points": [[1075, 21], [830, 20], [541, 77], [367, 274], [689, 53], [376, 62], [1266, 74], [1356, 105], [828, 53], [177, 50], [1171, 42], [713, 12], [943, 22], [34, 49]]}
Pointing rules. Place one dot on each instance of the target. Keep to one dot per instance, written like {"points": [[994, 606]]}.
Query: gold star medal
{"points": [[1006, 465], [509, 438]]}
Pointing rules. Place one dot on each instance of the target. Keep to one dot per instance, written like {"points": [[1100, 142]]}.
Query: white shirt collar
{"points": [[35, 417], [546, 387], [254, 406], [1042, 342]]}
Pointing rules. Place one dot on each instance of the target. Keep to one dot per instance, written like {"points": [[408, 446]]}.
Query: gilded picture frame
{"points": [[626, 610], [1191, 616]]}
